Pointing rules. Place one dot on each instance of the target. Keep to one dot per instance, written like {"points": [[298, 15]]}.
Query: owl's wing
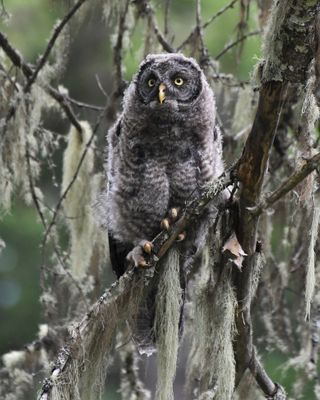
{"points": [[118, 253], [218, 159], [118, 250], [217, 138], [113, 141]]}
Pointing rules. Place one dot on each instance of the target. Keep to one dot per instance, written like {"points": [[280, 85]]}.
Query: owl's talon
{"points": [[172, 216], [173, 213], [148, 247], [142, 264], [181, 236], [165, 224], [136, 259], [137, 254]]}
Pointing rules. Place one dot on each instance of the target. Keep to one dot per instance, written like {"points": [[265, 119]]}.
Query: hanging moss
{"points": [[166, 327]]}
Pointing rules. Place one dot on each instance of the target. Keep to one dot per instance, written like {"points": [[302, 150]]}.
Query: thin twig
{"points": [[199, 33], [233, 44], [289, 184], [36, 202], [220, 12], [101, 87], [117, 49], [52, 41], [3, 10], [27, 70], [66, 191], [161, 39], [65, 105], [145, 7], [206, 24], [31, 185], [81, 104], [243, 23], [6, 73], [166, 18]]}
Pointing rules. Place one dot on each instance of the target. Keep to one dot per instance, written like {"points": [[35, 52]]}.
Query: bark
{"points": [[293, 23]]}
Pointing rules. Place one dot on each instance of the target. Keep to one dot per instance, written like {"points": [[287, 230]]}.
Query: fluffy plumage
{"points": [[160, 155]]}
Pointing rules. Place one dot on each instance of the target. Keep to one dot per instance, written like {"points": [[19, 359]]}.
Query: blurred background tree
{"points": [[82, 70]]}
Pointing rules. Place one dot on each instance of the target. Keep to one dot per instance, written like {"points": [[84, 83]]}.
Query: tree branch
{"points": [[66, 191], [145, 8], [81, 104], [27, 70], [206, 24], [119, 292], [233, 44], [255, 157], [166, 17], [51, 43], [251, 173], [117, 50], [272, 390], [298, 176]]}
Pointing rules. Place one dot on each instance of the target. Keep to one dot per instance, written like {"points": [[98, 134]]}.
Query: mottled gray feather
{"points": [[161, 155]]}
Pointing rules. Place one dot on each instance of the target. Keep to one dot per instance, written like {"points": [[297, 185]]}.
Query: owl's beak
{"points": [[162, 89]]}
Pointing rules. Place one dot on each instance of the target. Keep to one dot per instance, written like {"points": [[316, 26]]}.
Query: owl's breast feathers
{"points": [[153, 169], [162, 151]]}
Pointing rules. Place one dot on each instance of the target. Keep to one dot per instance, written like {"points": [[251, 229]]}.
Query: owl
{"points": [[162, 151]]}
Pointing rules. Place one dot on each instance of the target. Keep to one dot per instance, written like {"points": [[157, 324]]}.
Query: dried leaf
{"points": [[237, 253]]}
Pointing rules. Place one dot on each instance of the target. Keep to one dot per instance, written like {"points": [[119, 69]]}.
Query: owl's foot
{"points": [[170, 219], [137, 254], [181, 236]]}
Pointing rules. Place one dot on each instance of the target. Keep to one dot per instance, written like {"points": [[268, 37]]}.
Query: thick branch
{"points": [[272, 390], [289, 43], [251, 172], [254, 161]]}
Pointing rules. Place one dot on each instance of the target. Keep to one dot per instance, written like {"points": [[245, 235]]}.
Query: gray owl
{"points": [[164, 148]]}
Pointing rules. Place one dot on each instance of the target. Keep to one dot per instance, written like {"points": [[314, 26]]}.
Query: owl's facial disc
{"points": [[168, 84]]}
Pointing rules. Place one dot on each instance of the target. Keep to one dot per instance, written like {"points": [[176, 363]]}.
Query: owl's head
{"points": [[167, 81]]}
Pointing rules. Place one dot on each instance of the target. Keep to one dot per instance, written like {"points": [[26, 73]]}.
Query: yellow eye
{"points": [[151, 82], [178, 81]]}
